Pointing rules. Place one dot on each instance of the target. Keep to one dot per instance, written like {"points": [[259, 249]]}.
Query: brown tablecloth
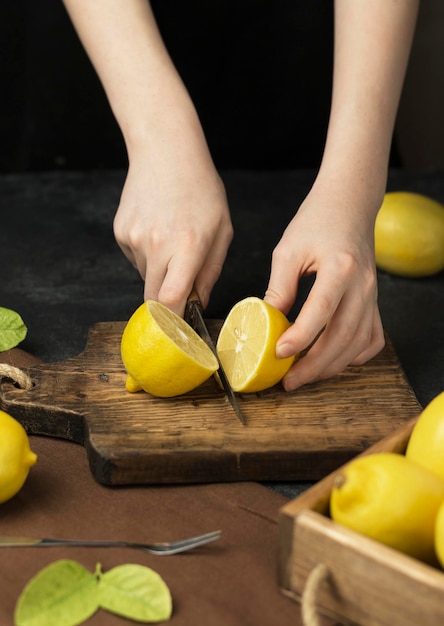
{"points": [[232, 582]]}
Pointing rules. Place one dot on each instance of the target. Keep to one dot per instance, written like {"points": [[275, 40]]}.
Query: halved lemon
{"points": [[247, 345], [162, 354]]}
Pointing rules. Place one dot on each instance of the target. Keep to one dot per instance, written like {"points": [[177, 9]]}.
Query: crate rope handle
{"points": [[308, 602], [16, 375]]}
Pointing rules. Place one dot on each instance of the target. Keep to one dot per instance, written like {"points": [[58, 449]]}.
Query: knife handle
{"points": [[193, 299]]}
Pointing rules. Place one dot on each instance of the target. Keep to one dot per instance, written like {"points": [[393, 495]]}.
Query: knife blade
{"points": [[194, 317]]}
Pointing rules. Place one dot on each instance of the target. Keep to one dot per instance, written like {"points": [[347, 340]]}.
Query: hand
{"points": [[173, 223], [329, 237]]}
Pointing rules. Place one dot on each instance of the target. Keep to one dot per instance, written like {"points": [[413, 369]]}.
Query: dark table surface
{"points": [[63, 272]]}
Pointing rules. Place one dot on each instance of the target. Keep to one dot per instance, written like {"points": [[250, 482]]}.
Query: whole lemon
{"points": [[390, 499], [439, 535], [162, 354], [409, 235], [426, 442], [16, 456]]}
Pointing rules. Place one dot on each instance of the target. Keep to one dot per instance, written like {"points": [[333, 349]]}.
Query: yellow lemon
{"points": [[439, 535], [389, 498], [409, 235], [16, 456], [162, 354], [247, 345], [426, 443]]}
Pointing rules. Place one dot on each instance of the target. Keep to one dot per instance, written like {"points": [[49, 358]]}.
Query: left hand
{"points": [[334, 239]]}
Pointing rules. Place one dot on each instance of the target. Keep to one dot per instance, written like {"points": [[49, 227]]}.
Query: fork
{"points": [[164, 549]]}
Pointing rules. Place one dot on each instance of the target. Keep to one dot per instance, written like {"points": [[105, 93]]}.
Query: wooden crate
{"points": [[367, 583]]}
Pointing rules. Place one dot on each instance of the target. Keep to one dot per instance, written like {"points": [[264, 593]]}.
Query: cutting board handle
{"points": [[20, 370]]}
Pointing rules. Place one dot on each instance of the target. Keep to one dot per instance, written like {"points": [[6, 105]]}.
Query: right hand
{"points": [[173, 223]]}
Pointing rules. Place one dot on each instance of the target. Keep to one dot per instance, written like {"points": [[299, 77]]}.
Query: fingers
{"points": [[175, 240], [171, 280], [339, 323], [282, 286], [332, 353]]}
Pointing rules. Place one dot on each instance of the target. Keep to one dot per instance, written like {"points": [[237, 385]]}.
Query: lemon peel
{"points": [[246, 345], [162, 354], [409, 235], [426, 443], [439, 535], [389, 498], [16, 456]]}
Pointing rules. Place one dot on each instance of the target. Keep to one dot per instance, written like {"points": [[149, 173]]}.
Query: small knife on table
{"points": [[194, 317]]}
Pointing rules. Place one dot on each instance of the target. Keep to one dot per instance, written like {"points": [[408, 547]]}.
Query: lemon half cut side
{"points": [[162, 354], [246, 345]]}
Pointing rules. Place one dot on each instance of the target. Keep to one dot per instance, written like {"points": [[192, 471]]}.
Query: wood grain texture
{"points": [[368, 583], [139, 439]]}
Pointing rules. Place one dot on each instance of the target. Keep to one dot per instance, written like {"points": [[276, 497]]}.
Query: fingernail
{"points": [[284, 350], [287, 385], [290, 383]]}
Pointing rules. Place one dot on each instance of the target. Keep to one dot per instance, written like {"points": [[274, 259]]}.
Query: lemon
{"points": [[426, 442], [16, 456], [439, 535], [409, 235], [389, 498], [162, 354], [247, 345]]}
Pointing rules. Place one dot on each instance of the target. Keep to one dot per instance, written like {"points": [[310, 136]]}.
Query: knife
{"points": [[194, 317]]}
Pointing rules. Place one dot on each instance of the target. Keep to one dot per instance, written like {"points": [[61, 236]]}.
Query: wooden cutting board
{"points": [[139, 439]]}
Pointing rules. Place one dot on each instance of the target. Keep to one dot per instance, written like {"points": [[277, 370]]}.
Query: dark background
{"points": [[259, 72]]}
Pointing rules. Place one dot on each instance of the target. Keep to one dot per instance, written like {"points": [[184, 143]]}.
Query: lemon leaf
{"points": [[62, 594], [12, 329], [66, 594], [135, 592]]}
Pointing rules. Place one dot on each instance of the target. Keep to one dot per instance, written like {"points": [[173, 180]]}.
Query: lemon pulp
{"points": [[162, 354], [246, 345]]}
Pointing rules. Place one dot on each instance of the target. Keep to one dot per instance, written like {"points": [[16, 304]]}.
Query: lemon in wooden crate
{"points": [[389, 498], [247, 345], [426, 443], [439, 535], [162, 354], [16, 456], [409, 235]]}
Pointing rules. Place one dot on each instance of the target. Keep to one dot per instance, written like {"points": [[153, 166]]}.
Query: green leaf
{"points": [[135, 592], [66, 594], [12, 329], [62, 594]]}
